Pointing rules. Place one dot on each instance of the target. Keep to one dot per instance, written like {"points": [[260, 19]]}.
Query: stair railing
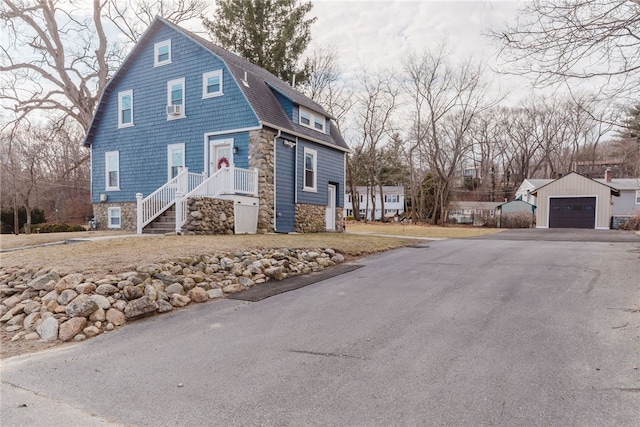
{"points": [[226, 180], [152, 206]]}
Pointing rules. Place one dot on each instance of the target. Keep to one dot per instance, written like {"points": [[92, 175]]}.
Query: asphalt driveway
{"points": [[565, 235], [492, 331]]}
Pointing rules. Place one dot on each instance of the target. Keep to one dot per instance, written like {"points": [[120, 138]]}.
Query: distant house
{"points": [[526, 189], [473, 213], [515, 214], [627, 204], [189, 137], [393, 202]]}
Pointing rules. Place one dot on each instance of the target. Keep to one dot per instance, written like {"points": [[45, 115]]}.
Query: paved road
{"points": [[459, 333]]}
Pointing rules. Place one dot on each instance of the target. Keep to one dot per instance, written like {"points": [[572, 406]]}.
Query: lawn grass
{"points": [[128, 252]]}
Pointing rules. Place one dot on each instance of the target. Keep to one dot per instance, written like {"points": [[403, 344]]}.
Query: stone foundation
{"points": [[128, 216], [340, 224], [261, 156], [310, 218], [209, 216]]}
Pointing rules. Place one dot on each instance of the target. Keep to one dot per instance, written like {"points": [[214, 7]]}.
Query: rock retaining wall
{"points": [[42, 305]]}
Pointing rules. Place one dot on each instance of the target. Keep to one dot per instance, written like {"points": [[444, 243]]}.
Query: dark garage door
{"points": [[572, 212]]}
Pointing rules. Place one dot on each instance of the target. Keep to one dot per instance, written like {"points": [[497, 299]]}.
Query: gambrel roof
{"points": [[259, 88]]}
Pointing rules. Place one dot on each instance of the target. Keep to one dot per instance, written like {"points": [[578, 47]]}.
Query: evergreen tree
{"points": [[272, 34], [627, 144]]}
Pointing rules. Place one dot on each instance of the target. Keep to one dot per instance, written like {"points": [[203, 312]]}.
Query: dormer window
{"points": [[162, 53], [312, 120]]}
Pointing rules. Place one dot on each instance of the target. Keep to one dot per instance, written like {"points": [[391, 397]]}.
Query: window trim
{"points": [[313, 119], [111, 210], [122, 95], [392, 198], [169, 100], [205, 77], [637, 197], [313, 153], [107, 156], [156, 54], [171, 147]]}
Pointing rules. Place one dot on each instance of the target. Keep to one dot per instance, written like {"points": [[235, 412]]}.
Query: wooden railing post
{"points": [[179, 203], [139, 213], [256, 174]]}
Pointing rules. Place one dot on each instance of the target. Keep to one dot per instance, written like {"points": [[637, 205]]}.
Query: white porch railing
{"points": [[160, 200], [227, 180]]}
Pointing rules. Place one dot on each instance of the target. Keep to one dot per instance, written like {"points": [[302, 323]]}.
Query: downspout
{"points": [[295, 175], [275, 213]]}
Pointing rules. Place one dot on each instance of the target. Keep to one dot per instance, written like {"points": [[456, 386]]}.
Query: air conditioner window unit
{"points": [[174, 110]]}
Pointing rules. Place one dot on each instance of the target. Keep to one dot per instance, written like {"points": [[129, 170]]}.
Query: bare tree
{"points": [[448, 99], [58, 58], [564, 40], [325, 86], [41, 168], [376, 104], [133, 18]]}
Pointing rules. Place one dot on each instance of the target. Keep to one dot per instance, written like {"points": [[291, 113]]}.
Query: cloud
{"points": [[381, 34]]}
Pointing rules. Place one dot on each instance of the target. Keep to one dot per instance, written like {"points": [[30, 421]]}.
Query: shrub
{"points": [[632, 223], [55, 228], [6, 218], [516, 220]]}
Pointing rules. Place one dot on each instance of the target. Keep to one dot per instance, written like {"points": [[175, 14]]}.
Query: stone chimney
{"points": [[607, 175]]}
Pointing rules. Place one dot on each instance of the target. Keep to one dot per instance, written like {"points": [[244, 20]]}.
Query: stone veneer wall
{"points": [[339, 220], [209, 216], [312, 219], [261, 156], [128, 216]]}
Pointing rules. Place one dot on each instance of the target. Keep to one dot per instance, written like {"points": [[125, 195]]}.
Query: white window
{"points": [[310, 169], [175, 99], [114, 217], [112, 170], [349, 198], [212, 84], [311, 120], [162, 53], [125, 109], [391, 198], [175, 159], [637, 197]]}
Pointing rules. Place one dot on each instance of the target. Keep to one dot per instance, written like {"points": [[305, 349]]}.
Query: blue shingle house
{"points": [[189, 137]]}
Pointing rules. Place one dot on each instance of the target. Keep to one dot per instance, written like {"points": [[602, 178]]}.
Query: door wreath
{"points": [[223, 161]]}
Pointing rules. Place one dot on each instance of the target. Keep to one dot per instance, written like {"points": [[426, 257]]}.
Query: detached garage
{"points": [[574, 201]]}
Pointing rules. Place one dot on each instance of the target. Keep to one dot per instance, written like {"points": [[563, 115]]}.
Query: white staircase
{"points": [[225, 182]]}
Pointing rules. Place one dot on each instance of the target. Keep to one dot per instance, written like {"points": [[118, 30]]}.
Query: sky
{"points": [[380, 34]]}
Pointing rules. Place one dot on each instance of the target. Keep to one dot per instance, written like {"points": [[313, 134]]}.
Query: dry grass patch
{"points": [[418, 230], [11, 241], [126, 253]]}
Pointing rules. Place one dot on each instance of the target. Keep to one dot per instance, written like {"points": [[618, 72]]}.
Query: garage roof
{"points": [[614, 191]]}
